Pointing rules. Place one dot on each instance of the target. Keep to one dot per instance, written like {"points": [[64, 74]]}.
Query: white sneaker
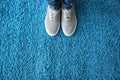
{"points": [[52, 21], [69, 21]]}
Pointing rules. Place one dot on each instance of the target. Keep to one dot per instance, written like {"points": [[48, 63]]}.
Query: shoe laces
{"points": [[53, 14], [68, 14]]}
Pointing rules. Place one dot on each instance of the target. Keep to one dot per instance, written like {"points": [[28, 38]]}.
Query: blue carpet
{"points": [[28, 53]]}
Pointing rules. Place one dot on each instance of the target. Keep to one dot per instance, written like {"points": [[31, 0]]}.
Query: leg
{"points": [[54, 4], [66, 4]]}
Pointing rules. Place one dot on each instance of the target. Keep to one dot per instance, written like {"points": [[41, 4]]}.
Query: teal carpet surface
{"points": [[28, 53]]}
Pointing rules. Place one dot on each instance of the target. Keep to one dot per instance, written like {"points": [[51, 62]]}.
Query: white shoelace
{"points": [[53, 14], [68, 15]]}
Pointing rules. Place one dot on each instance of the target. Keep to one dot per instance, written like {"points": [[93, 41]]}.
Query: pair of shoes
{"points": [[64, 17]]}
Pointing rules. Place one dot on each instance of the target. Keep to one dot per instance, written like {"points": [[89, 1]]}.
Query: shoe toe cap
{"points": [[69, 28], [52, 28]]}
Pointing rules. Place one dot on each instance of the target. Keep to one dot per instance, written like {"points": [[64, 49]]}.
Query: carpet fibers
{"points": [[28, 53]]}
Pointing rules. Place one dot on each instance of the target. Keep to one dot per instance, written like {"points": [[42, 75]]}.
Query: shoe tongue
{"points": [[53, 14], [68, 14]]}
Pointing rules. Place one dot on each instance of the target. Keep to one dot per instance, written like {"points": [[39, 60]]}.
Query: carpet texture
{"points": [[28, 53]]}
